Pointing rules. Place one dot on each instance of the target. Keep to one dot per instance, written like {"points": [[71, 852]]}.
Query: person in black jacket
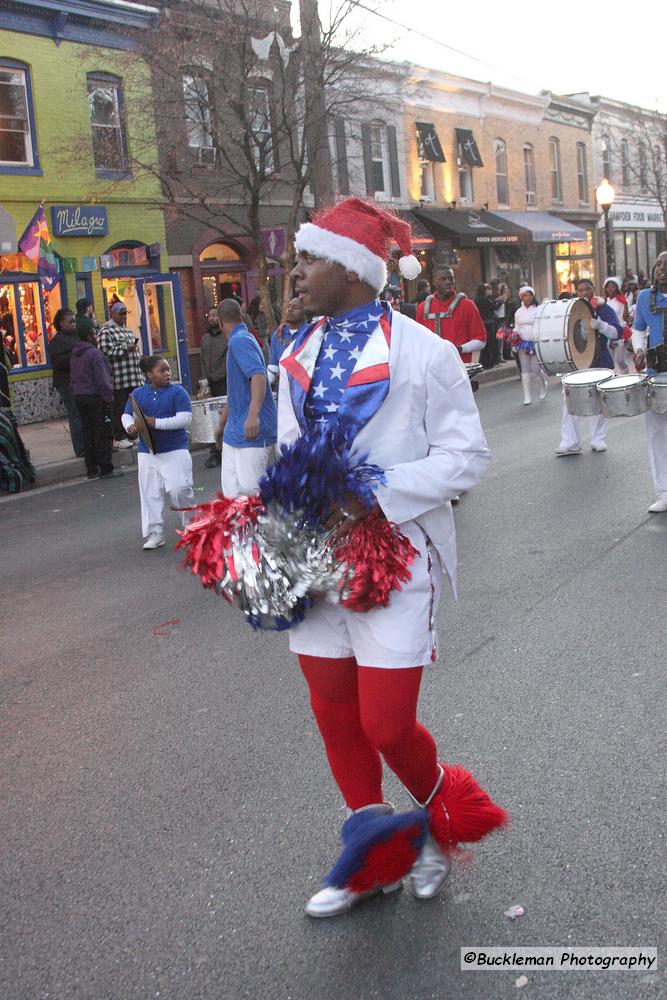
{"points": [[487, 306], [60, 349]]}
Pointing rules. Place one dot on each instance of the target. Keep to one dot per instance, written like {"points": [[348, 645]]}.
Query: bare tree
{"points": [[640, 149]]}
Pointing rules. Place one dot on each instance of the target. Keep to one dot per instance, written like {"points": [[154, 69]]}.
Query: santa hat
{"points": [[357, 235]]}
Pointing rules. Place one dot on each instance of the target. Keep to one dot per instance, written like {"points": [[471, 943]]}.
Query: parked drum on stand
{"points": [[205, 417], [564, 339], [624, 395], [581, 391], [657, 392]]}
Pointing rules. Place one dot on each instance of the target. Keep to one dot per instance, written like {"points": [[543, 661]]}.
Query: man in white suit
{"points": [[402, 398]]}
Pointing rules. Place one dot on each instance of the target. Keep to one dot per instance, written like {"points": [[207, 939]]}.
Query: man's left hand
{"points": [[150, 421], [342, 517], [251, 427]]}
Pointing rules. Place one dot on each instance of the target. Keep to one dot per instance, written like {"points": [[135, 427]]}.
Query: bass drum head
{"points": [[581, 337]]}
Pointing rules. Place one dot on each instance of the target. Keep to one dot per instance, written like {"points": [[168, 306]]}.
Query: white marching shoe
{"points": [[329, 902], [154, 540], [659, 507], [431, 869]]}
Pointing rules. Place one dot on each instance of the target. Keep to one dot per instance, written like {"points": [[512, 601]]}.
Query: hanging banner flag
{"points": [[107, 260], [88, 264], [140, 255], [70, 265], [35, 244]]}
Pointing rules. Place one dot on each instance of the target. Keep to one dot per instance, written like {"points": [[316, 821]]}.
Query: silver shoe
{"points": [[329, 902], [430, 871]]}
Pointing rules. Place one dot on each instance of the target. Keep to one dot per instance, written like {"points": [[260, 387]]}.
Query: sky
{"points": [[609, 48]]}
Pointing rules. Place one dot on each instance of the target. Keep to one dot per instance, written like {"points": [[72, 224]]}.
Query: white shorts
{"points": [[242, 469], [400, 635]]}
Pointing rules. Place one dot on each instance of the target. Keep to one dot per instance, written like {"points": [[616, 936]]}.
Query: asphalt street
{"points": [[166, 805]]}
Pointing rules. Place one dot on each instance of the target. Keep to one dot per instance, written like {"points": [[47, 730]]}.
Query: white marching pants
{"points": [[570, 430], [242, 469], [530, 367], [169, 472], [656, 439], [621, 355]]}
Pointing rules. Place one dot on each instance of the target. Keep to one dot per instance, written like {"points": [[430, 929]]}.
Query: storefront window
{"points": [[218, 282], [8, 324], [574, 261], [652, 248], [619, 253], [156, 318], [631, 251], [52, 301]]}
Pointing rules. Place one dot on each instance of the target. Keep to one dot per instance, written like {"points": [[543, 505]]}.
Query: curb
{"points": [[56, 473]]}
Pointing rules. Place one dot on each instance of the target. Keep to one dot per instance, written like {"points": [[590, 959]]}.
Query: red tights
{"points": [[363, 712]]}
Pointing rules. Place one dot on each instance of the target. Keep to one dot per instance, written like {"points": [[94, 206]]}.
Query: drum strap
{"points": [[657, 310], [438, 317]]}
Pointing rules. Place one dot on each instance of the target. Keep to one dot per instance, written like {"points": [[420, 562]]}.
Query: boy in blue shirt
{"points": [[651, 316], [295, 319], [248, 422]]}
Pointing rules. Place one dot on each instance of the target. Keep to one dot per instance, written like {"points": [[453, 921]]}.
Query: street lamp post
{"points": [[605, 195]]}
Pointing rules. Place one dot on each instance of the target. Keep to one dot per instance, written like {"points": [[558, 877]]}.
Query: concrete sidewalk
{"points": [[50, 446]]}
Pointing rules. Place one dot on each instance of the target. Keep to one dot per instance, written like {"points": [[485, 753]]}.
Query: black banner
{"points": [[467, 148], [429, 144]]}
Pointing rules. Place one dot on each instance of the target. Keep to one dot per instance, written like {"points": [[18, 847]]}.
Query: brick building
{"points": [[69, 143]]}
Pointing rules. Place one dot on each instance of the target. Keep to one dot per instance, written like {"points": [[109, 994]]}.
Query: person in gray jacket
{"points": [[213, 357]]}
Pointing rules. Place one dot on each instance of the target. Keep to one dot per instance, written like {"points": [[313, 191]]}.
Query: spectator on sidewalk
{"points": [[61, 347], [213, 358], [283, 336], [123, 351], [486, 306], [84, 311], [92, 389]]}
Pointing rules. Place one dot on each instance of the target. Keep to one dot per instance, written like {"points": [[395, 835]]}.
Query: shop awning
{"points": [[543, 227], [430, 148], [470, 229], [420, 234], [466, 148]]}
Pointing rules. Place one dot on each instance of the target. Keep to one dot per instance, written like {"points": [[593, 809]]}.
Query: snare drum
{"points": [[657, 393], [564, 339], [624, 395], [581, 396], [205, 416]]}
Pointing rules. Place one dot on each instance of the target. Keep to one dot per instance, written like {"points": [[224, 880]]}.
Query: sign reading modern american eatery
{"points": [[79, 220]]}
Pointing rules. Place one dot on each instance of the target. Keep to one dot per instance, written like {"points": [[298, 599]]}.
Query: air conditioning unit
{"points": [[207, 156], [531, 199]]}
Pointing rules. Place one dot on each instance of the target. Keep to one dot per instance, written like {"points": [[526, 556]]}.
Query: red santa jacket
{"points": [[459, 326]]}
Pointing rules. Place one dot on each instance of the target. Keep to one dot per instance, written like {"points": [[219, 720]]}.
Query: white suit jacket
{"points": [[426, 435]]}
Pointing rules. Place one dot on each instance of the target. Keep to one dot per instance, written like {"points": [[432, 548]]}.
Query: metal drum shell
{"points": [[627, 399], [581, 397], [556, 336], [657, 393], [205, 413]]}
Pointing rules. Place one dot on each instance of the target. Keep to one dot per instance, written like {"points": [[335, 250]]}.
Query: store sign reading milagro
{"points": [[79, 220]]}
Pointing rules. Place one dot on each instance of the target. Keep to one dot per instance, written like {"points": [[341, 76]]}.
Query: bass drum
{"points": [[564, 339]]}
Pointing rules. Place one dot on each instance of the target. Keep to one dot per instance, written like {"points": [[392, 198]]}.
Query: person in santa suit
{"points": [[452, 315], [400, 399]]}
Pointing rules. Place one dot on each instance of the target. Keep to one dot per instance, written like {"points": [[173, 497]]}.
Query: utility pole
{"points": [[316, 121]]}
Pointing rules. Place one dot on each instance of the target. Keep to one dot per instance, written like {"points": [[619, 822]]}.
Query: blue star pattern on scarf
{"points": [[345, 338]]}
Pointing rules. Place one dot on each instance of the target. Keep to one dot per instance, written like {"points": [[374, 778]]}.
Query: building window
{"points": [[26, 312], [625, 163], [427, 181], [105, 103], [502, 187], [465, 183], [582, 173], [261, 130], [197, 111], [554, 162], [529, 175], [16, 139], [379, 158], [606, 157], [643, 172]]}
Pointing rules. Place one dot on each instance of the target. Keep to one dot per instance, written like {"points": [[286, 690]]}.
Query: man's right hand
{"points": [[640, 360]]}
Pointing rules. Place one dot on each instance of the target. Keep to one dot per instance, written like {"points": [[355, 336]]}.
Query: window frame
{"points": [[105, 172], [206, 127], [500, 147], [529, 175], [642, 167], [607, 166], [17, 278], [555, 170], [582, 174], [271, 152], [381, 129], [24, 169], [625, 163]]}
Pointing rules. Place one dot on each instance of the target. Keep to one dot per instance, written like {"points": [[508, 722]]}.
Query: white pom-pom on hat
{"points": [[409, 267]]}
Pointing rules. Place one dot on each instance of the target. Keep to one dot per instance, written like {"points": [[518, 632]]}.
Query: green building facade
{"points": [[68, 139]]}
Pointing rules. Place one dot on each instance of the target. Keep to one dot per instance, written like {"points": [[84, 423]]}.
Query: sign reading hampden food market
{"points": [[79, 220]]}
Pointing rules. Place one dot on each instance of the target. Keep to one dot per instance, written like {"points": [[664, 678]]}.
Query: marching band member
{"points": [[524, 319], [403, 399], [618, 302], [651, 319], [168, 412], [452, 316], [606, 323]]}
